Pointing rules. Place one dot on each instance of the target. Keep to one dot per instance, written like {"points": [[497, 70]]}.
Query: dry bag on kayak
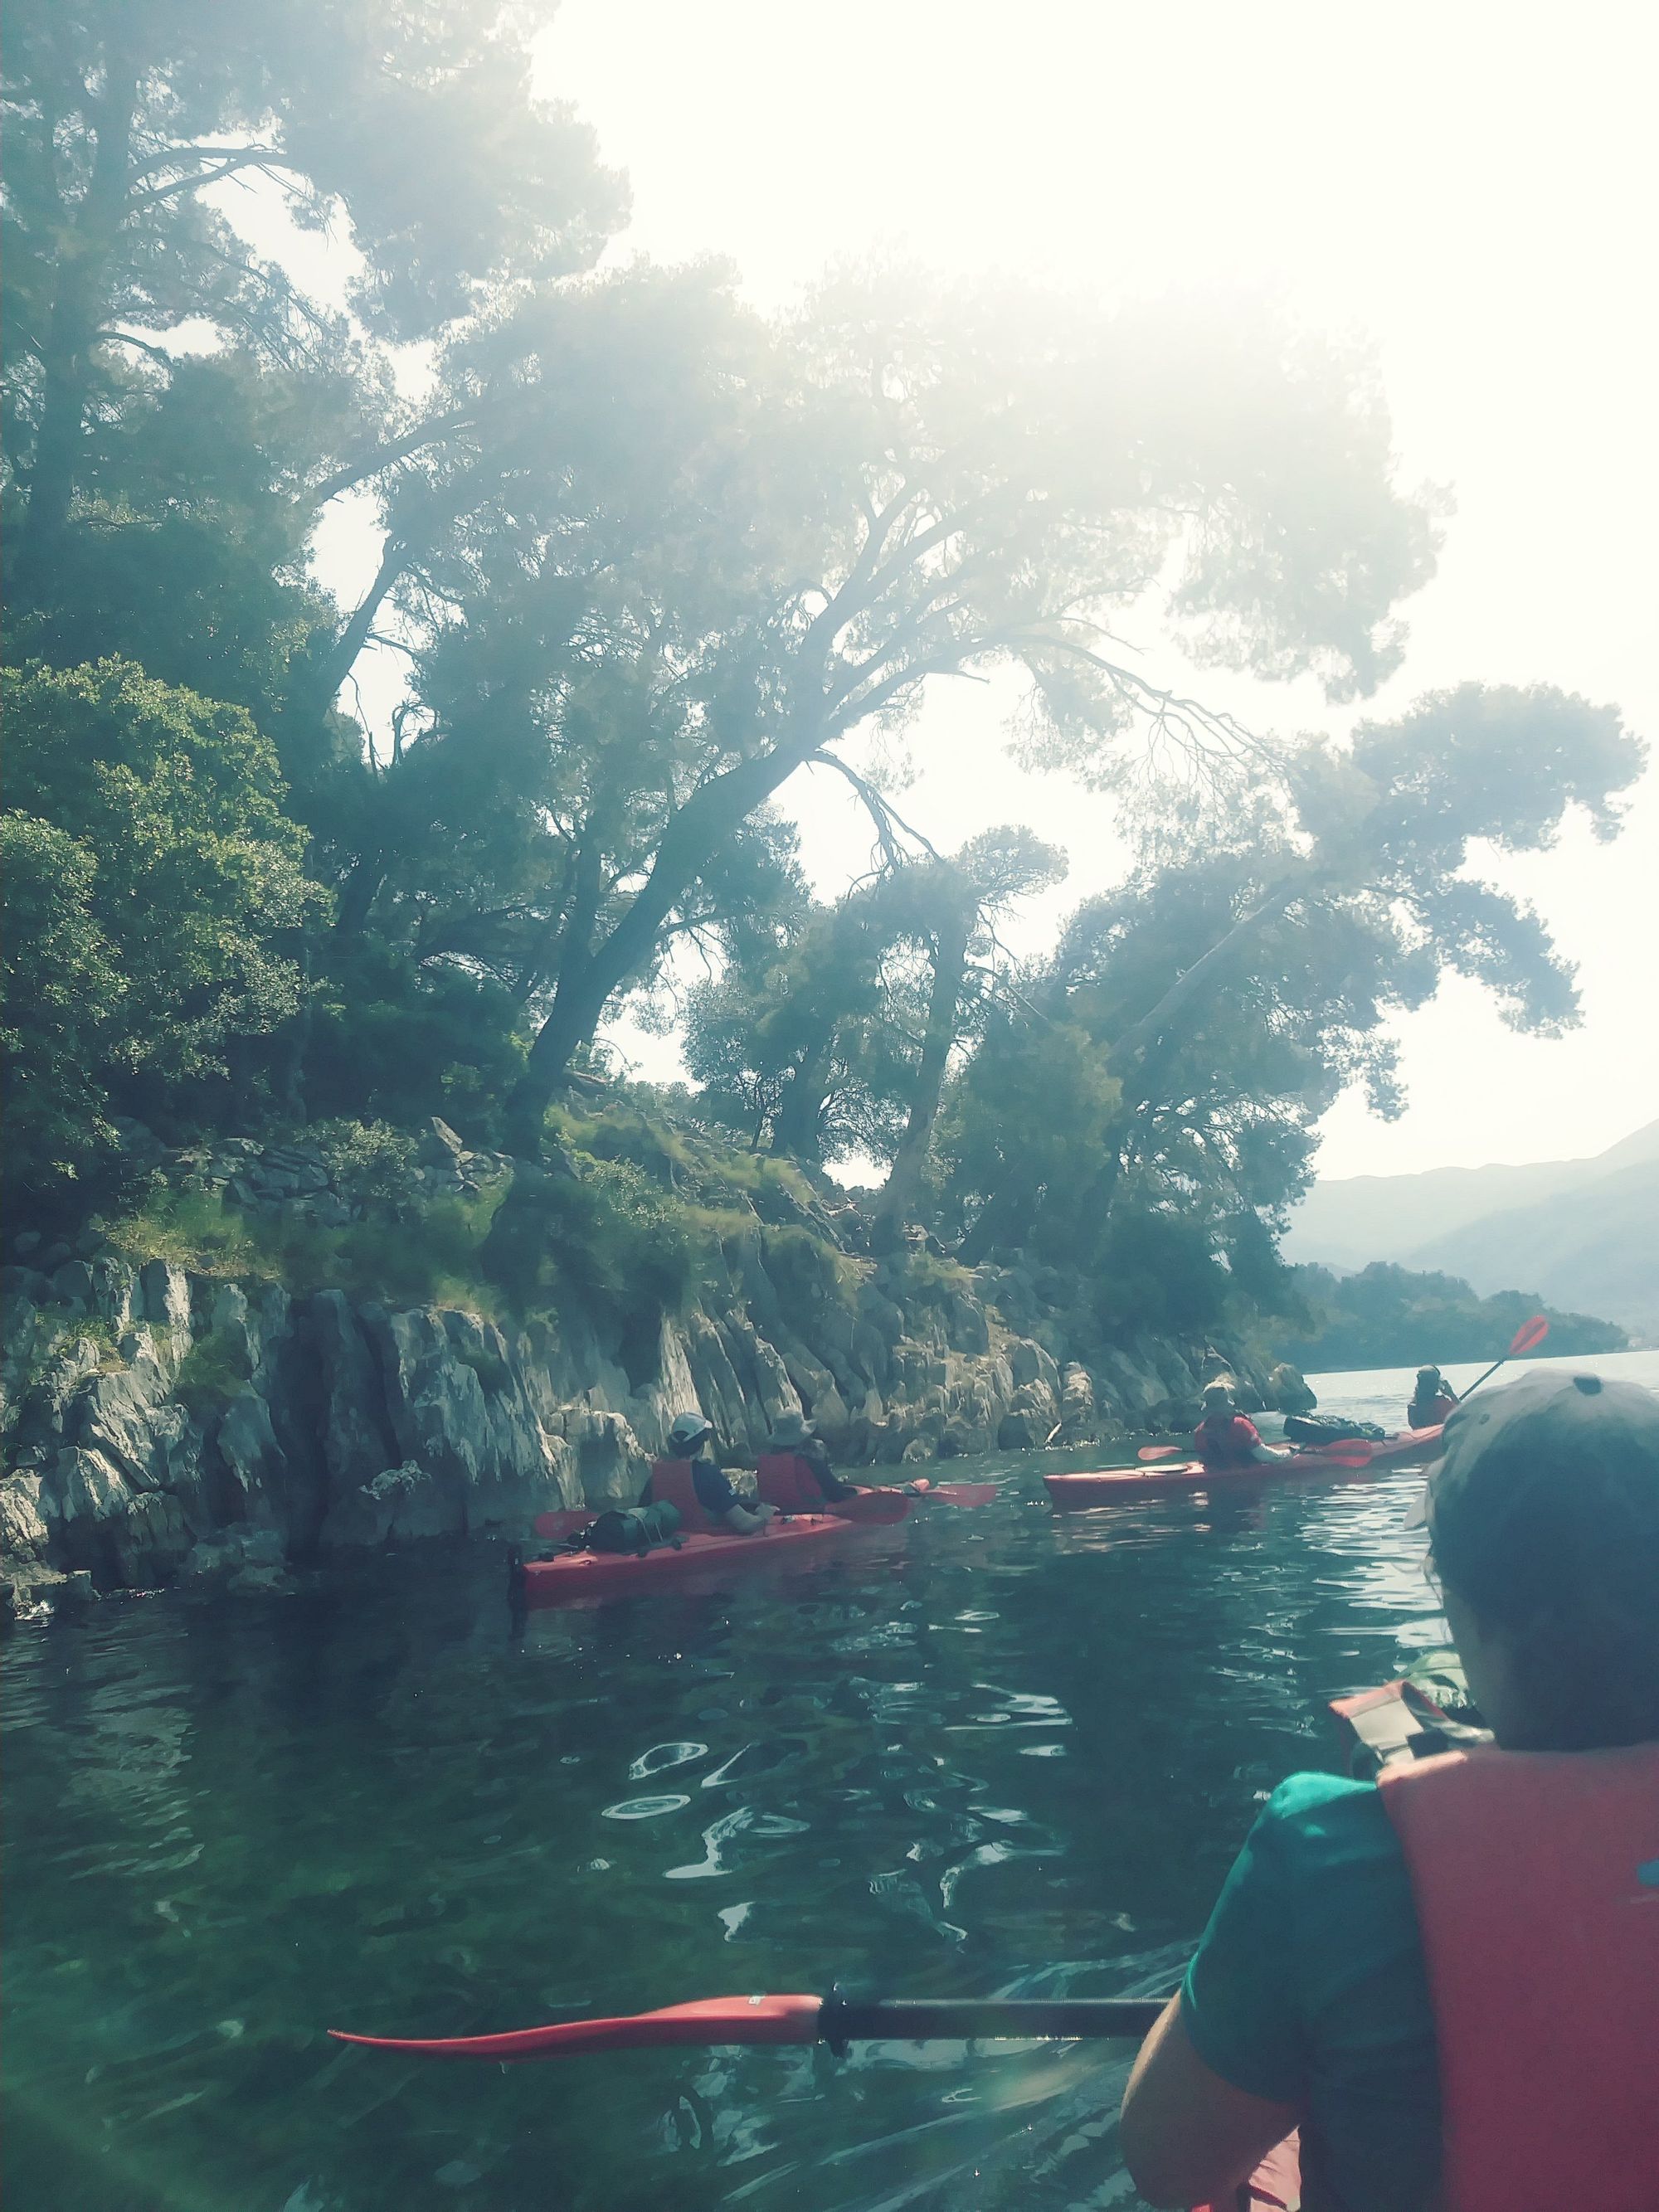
{"points": [[1330, 1429], [633, 1529]]}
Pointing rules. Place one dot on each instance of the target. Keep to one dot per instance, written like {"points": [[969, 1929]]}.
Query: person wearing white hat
{"points": [[793, 1433]]}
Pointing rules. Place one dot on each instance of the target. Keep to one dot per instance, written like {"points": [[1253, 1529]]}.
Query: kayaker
{"points": [[1226, 1438], [795, 1434], [688, 1439], [1433, 1399], [1448, 1979]]}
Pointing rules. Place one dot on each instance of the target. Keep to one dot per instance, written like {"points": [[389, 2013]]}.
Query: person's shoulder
{"points": [[1312, 1818]]}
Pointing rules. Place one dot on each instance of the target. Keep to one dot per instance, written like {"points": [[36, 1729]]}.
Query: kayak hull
{"points": [[1118, 1484], [875, 1508], [578, 1577]]}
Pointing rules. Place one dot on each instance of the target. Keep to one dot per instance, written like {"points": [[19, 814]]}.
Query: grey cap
{"points": [[792, 1428], [1551, 1412]]}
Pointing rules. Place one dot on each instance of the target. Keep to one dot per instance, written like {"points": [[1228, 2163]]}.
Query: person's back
{"points": [[1482, 1922], [1225, 1438], [795, 1435], [689, 1440], [1432, 1402]]}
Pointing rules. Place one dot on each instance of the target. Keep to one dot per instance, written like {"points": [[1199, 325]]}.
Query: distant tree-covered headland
{"points": [[1389, 1316], [645, 555]]}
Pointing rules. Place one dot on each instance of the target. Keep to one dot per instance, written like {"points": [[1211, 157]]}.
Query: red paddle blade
{"points": [[962, 1493], [1530, 1335], [711, 2021], [1159, 1451]]}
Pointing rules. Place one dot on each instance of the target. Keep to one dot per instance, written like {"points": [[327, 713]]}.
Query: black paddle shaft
{"points": [[920, 2020]]}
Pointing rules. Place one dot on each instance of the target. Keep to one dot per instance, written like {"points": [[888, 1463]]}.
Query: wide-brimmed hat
{"points": [[792, 1428], [1219, 1393]]}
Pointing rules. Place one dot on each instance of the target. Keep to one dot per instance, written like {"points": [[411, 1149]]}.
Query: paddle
{"points": [[833, 2020], [1527, 1338], [960, 1493]]}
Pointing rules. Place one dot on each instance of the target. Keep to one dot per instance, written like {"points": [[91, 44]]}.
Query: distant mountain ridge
{"points": [[1584, 1234]]}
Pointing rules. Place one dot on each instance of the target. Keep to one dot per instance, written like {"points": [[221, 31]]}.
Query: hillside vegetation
{"points": [[1389, 1316], [644, 554]]}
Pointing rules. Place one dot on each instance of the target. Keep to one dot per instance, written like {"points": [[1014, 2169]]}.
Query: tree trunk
{"points": [[711, 814], [341, 657], [77, 311], [898, 1197], [795, 1129], [358, 894], [1005, 1218]]}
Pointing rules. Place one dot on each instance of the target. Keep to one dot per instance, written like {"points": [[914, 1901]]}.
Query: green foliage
{"points": [[1158, 1271], [649, 553], [60, 995], [175, 804], [371, 1158], [1389, 1316], [393, 1040], [1027, 1121], [431, 1257], [605, 1242]]}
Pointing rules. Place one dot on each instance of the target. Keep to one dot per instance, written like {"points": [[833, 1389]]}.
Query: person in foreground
{"points": [[688, 1439], [1225, 1438], [795, 1434], [1448, 1979], [1432, 1402]]}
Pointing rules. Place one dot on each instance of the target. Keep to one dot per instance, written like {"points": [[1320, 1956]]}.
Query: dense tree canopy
{"points": [[645, 555]]}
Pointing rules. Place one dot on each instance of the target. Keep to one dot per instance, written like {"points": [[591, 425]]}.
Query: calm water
{"points": [[984, 1753]]}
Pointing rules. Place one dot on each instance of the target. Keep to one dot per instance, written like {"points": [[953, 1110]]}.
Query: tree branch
{"points": [[249, 157], [885, 818], [384, 455]]}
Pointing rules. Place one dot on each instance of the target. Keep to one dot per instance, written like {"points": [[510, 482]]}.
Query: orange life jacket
{"points": [[1535, 1876], [784, 1479], [672, 1485]]}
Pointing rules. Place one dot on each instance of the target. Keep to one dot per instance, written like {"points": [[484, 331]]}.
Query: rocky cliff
{"points": [[159, 1423]]}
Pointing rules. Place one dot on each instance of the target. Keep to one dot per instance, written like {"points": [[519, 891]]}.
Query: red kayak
{"points": [[578, 1576], [1117, 1484]]}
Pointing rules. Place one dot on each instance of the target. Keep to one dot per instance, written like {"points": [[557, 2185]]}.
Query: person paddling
{"points": [[794, 1434], [688, 1439], [1432, 1401], [1225, 1438], [1448, 1978]]}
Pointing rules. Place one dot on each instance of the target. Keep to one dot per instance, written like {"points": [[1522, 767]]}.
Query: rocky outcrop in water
{"points": [[159, 1424]]}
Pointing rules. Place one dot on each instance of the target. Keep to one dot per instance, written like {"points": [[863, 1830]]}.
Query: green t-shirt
{"points": [[1308, 1988]]}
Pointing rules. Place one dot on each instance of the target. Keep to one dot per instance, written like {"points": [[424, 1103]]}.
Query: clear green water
{"points": [[988, 1752]]}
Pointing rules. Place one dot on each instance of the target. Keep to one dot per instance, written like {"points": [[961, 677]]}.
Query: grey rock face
{"points": [[158, 1424]]}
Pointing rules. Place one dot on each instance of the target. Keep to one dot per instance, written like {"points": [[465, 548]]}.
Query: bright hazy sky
{"points": [[1467, 183]]}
